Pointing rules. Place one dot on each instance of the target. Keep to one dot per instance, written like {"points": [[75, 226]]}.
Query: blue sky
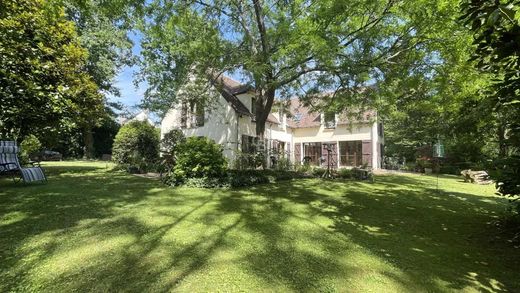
{"points": [[130, 95]]}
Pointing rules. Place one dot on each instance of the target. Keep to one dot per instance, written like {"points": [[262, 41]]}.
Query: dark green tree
{"points": [[103, 28], [43, 84], [496, 29]]}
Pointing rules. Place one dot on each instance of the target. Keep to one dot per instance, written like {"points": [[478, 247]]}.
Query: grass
{"points": [[94, 229]]}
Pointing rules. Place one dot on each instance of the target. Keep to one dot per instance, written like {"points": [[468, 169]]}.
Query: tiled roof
{"points": [[303, 117], [271, 118], [229, 88]]}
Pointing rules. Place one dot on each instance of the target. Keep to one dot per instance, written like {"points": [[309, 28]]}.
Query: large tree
{"points": [[496, 27], [43, 85], [103, 28], [283, 48]]}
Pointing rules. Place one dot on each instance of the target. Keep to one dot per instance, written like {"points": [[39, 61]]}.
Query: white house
{"points": [[303, 135]]}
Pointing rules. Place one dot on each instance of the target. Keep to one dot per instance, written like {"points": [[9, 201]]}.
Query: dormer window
{"points": [[329, 120]]}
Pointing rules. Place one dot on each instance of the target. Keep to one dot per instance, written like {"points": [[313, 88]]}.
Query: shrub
{"points": [[239, 178], [304, 168], [199, 157], [283, 164], [244, 161], [136, 146], [30, 146], [318, 171], [171, 140], [345, 173]]}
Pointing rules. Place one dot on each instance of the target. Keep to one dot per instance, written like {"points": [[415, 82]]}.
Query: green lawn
{"points": [[93, 229]]}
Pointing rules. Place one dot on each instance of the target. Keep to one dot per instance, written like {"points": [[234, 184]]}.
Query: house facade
{"points": [[317, 138]]}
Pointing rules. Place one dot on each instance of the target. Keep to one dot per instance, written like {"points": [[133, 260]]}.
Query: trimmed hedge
{"points": [[242, 178]]}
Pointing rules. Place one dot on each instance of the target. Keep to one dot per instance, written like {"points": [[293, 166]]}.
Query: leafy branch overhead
{"points": [[287, 48]]}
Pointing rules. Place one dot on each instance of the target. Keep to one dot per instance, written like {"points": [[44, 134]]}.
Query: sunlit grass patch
{"points": [[93, 228]]}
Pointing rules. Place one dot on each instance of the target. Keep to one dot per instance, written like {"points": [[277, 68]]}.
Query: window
{"points": [[277, 147], [199, 114], [380, 129], [253, 106], [350, 153], [281, 147], [184, 115], [248, 144], [329, 120], [312, 151], [192, 114]]}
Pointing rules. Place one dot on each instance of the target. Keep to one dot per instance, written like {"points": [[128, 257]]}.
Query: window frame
{"points": [[329, 120], [350, 153]]}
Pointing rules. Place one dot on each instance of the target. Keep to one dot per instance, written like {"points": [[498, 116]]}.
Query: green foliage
{"points": [[304, 168], [104, 137], [43, 83], [286, 48], [318, 171], [508, 181], [30, 147], [103, 33], [283, 164], [496, 28], [249, 161], [199, 157], [242, 178], [171, 141], [345, 173], [136, 146]]}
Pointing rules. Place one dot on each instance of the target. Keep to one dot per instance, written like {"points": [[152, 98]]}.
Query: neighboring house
{"points": [[144, 115], [303, 135]]}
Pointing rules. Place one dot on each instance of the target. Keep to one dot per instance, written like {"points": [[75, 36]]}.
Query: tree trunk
{"points": [[502, 146], [264, 103], [88, 141]]}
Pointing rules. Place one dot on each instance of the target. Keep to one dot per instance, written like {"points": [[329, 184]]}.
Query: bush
{"points": [[199, 157], [304, 168], [238, 178], [345, 173], [244, 161], [171, 140], [30, 146], [283, 164], [136, 147], [318, 171]]}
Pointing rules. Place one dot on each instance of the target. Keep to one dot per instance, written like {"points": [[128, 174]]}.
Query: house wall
{"points": [[363, 132], [220, 125], [223, 125]]}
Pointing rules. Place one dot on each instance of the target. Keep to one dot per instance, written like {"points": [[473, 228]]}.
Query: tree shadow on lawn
{"points": [[45, 213], [434, 238], [118, 232], [103, 231]]}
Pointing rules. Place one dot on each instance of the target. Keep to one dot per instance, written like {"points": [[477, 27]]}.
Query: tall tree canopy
{"points": [[103, 28], [302, 47], [43, 84], [496, 27]]}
